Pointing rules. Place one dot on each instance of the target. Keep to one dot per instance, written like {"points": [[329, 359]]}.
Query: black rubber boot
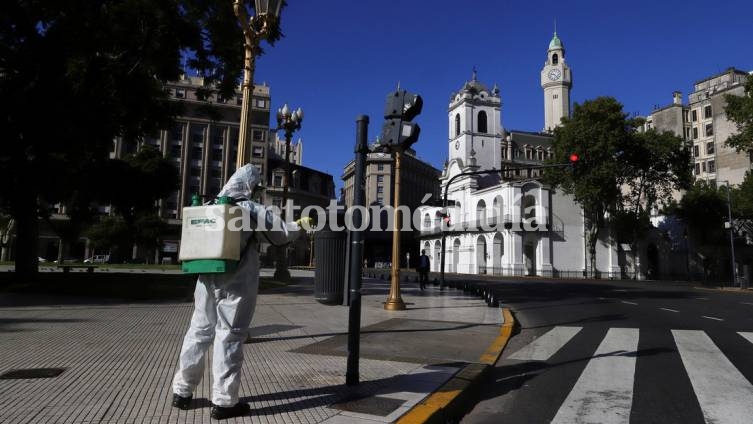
{"points": [[223, 413], [181, 402]]}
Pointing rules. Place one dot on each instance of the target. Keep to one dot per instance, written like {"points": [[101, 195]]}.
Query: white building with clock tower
{"points": [[556, 80], [508, 223]]}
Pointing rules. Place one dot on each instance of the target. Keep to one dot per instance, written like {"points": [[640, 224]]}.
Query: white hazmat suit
{"points": [[225, 303]]}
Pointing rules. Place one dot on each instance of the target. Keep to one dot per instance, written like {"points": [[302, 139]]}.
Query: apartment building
{"points": [[703, 124]]}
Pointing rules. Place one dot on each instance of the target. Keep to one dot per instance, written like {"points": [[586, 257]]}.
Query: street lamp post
{"points": [[288, 121], [731, 235], [394, 300], [255, 29]]}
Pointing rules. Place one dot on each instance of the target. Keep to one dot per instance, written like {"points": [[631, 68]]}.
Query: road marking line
{"points": [[629, 303], [604, 391], [547, 345], [669, 310], [747, 303], [714, 318], [724, 394], [701, 298], [748, 336]]}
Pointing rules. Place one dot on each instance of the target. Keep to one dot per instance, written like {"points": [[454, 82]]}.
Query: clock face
{"points": [[554, 74], [457, 145]]}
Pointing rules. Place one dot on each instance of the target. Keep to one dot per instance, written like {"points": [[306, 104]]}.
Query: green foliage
{"points": [[596, 132], [110, 234], [629, 226], [654, 165], [739, 109], [742, 198], [621, 172], [76, 74], [703, 209], [133, 184]]}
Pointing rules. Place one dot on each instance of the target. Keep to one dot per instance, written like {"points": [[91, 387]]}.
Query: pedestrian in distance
{"points": [[224, 305], [423, 269]]}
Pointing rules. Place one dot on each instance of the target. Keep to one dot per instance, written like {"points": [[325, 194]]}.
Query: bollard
{"points": [[493, 301]]}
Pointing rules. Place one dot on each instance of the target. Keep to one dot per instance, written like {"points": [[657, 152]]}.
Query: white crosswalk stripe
{"points": [[748, 336], [724, 394], [604, 391], [547, 345]]}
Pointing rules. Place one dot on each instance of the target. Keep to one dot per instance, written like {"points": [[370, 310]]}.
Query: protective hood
{"points": [[242, 183]]}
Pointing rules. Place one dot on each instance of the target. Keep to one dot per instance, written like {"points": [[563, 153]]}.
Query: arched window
{"points": [[482, 127], [457, 124], [498, 206], [529, 206], [555, 59], [427, 221], [480, 212]]}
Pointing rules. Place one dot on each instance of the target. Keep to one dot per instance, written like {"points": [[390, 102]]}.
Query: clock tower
{"points": [[556, 80]]}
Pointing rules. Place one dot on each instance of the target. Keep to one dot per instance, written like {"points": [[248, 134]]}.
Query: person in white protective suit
{"points": [[224, 306]]}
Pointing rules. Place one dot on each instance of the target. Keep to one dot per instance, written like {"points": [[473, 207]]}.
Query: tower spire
{"points": [[475, 74]]}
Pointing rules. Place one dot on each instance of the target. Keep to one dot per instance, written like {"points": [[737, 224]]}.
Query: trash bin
{"points": [[329, 274]]}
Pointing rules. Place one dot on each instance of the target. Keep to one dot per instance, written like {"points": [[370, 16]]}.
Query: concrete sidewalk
{"points": [[119, 359]]}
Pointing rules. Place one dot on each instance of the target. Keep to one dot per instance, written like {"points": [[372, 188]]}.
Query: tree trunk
{"points": [[27, 234], [5, 239], [592, 238]]}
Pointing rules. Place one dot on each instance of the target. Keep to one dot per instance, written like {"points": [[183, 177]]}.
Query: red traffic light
{"points": [[574, 157]]}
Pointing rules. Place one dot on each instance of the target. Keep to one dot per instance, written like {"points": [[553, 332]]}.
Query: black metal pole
{"points": [[356, 252], [442, 229]]}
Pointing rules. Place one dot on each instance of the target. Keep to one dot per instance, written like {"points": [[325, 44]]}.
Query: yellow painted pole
{"points": [[394, 301]]}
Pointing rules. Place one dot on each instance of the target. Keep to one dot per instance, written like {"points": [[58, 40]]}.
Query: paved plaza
{"points": [[118, 359]]}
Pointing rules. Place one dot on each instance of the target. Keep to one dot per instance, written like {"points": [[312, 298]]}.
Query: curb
{"points": [[450, 402]]}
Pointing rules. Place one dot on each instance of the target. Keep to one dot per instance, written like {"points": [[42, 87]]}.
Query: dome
{"points": [[556, 43], [474, 85]]}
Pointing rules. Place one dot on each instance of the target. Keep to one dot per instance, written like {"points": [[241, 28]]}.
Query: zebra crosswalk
{"points": [[603, 392], [723, 392]]}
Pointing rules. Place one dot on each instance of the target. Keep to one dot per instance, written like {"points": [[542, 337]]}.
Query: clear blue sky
{"points": [[340, 58]]}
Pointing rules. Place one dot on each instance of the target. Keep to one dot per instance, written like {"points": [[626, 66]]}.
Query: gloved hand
{"points": [[305, 223]]}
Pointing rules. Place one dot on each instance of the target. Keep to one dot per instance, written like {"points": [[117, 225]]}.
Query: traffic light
{"points": [[400, 109], [574, 160], [442, 213]]}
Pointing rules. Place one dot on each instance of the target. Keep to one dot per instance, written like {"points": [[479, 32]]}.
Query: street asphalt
{"points": [[622, 352]]}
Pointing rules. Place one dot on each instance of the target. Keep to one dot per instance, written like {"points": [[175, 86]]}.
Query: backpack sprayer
{"points": [[207, 245]]}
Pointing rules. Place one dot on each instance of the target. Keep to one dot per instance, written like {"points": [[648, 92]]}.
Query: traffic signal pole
{"points": [[356, 254], [398, 134], [394, 300]]}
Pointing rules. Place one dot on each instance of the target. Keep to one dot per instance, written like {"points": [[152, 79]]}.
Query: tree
{"points": [[621, 173], [597, 131], [703, 209], [74, 75], [132, 186], [655, 165], [742, 198], [739, 109]]}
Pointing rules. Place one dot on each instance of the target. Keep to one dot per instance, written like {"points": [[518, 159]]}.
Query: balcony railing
{"points": [[554, 273], [537, 221]]}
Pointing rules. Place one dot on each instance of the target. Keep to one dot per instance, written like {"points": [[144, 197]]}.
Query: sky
{"points": [[340, 58]]}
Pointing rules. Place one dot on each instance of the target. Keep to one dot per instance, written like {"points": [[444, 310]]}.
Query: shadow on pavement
{"points": [[506, 378], [329, 395]]}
